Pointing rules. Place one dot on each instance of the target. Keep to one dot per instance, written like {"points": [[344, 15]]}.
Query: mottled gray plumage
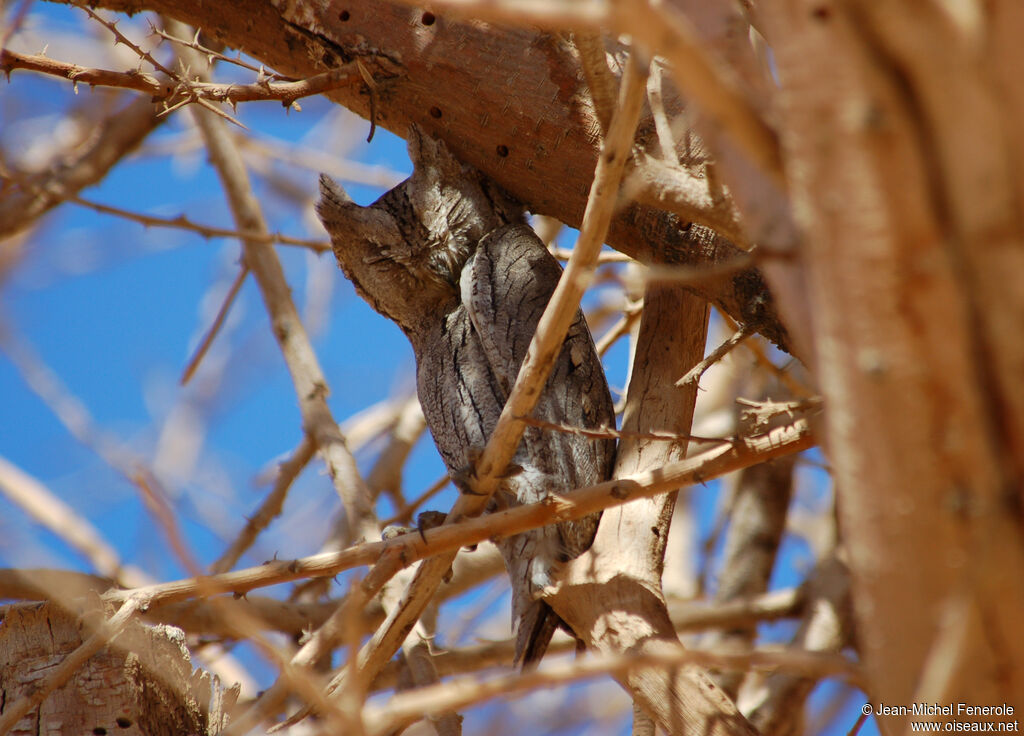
{"points": [[447, 256]]}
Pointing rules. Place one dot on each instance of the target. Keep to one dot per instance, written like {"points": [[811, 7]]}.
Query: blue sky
{"points": [[114, 310]]}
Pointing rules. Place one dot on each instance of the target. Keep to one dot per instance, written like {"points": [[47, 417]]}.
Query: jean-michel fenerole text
{"points": [[937, 709]]}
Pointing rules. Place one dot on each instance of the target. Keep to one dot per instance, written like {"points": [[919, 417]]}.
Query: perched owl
{"points": [[447, 256]]}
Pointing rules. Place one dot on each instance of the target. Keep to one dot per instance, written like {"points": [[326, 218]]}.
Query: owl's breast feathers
{"points": [[466, 365]]}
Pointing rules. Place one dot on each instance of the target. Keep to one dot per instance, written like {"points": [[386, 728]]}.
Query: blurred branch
{"points": [[197, 617], [672, 188], [756, 526], [386, 474], [25, 198], [218, 322], [776, 705], [46, 508], [460, 692], [320, 643]]}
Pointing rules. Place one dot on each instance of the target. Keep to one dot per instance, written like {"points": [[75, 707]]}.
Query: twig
{"points": [[181, 222], [155, 500], [71, 413], [386, 474], [323, 640], [121, 38], [689, 616], [564, 254], [270, 509], [211, 54], [406, 513], [218, 322], [859, 722], [195, 617], [666, 141], [607, 433], [18, 17], [693, 375], [436, 542], [174, 93], [621, 328], [109, 629], [371, 88], [784, 376]]}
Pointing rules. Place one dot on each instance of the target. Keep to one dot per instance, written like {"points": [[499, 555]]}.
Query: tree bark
{"points": [[141, 683]]}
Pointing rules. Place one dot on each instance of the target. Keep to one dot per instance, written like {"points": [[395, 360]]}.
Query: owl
{"points": [[448, 257]]}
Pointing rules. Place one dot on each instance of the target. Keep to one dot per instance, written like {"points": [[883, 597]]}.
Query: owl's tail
{"points": [[534, 632]]}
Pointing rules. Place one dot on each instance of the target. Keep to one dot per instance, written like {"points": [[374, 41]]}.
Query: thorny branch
{"points": [[432, 543], [171, 92]]}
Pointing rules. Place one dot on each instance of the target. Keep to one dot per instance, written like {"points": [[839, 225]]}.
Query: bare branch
{"points": [[693, 375], [211, 54], [113, 138], [181, 222], [218, 322], [171, 93], [52, 512]]}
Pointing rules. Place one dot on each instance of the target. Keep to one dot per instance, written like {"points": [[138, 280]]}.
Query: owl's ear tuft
{"points": [[334, 204], [431, 157]]}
